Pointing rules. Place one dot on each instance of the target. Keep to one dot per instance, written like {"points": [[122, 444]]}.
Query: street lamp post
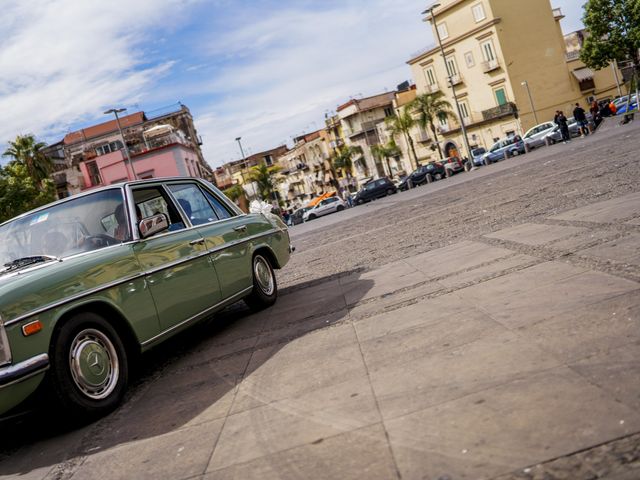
{"points": [[525, 84], [116, 111], [450, 77]]}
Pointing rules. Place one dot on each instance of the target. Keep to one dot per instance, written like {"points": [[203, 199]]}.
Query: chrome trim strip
{"points": [[175, 263], [23, 370], [232, 298], [73, 298]]}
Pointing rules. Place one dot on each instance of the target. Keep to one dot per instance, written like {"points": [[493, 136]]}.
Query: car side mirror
{"points": [[151, 225]]}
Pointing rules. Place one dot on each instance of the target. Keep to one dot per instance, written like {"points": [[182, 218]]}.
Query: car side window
{"points": [[151, 201], [218, 206], [193, 203]]}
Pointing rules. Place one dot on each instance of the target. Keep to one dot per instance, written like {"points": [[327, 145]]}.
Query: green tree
{"points": [[263, 176], [614, 32], [385, 152], [431, 107], [234, 192], [27, 151], [344, 159], [401, 125], [20, 192]]}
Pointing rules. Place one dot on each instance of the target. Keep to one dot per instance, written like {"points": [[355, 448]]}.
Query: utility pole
{"points": [[450, 77], [525, 84], [116, 111]]}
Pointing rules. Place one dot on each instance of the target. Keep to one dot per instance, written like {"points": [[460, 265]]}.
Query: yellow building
{"points": [[497, 52]]}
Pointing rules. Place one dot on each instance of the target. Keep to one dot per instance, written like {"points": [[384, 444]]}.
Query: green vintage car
{"points": [[89, 282]]}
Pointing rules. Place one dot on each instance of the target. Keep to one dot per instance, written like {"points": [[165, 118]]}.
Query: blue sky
{"points": [[266, 70]]}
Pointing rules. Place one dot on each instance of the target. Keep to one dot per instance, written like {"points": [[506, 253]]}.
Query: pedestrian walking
{"points": [[561, 121], [612, 108], [581, 119]]}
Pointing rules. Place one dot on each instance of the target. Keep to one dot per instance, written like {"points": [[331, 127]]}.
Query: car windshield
{"points": [[64, 229]]}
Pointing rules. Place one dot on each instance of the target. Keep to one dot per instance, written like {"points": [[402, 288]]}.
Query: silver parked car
{"points": [[535, 136]]}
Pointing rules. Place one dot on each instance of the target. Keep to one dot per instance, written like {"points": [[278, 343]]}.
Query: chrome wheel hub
{"points": [[263, 275], [94, 364]]}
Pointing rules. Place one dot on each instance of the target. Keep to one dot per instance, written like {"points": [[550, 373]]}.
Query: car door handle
{"points": [[199, 241], [240, 228]]}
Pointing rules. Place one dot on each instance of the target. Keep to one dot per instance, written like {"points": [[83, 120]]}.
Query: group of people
{"points": [[580, 115]]}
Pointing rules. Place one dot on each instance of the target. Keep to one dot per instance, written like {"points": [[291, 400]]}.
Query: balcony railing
{"points": [[433, 88], [499, 111], [490, 66], [455, 79], [574, 55]]}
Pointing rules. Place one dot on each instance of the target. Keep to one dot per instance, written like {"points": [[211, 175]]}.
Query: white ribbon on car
{"points": [[259, 206]]}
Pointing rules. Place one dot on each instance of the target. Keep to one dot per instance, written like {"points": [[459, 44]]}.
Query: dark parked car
{"points": [[424, 174], [297, 217], [375, 189]]}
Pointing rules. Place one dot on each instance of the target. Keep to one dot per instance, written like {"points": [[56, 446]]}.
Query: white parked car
{"points": [[325, 207], [535, 136]]}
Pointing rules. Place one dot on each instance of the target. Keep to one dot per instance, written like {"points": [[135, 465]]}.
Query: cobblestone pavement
{"points": [[483, 327]]}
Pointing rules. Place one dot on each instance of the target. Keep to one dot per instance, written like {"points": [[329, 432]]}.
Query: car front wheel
{"points": [[265, 288], [89, 366]]}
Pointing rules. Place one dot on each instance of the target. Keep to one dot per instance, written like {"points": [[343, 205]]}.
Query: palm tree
{"points": [[344, 158], [401, 125], [429, 107], [385, 152], [263, 176], [25, 150]]}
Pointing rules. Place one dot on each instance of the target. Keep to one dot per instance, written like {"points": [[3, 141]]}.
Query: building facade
{"points": [[507, 60], [152, 141]]}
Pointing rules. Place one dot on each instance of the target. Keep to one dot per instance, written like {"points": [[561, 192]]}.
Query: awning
{"points": [[583, 74], [317, 200]]}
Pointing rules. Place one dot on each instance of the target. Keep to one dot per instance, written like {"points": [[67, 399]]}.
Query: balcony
{"points": [[573, 55], [432, 88], [422, 136], [499, 111], [490, 66], [455, 79]]}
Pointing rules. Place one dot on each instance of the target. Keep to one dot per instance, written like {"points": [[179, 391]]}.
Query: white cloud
{"points": [[62, 61], [294, 65]]}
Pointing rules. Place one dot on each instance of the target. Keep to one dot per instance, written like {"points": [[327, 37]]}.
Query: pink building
{"points": [[171, 160]]}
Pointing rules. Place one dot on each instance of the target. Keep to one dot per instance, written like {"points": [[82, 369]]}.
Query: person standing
{"points": [[581, 119], [561, 121], [595, 114], [612, 108]]}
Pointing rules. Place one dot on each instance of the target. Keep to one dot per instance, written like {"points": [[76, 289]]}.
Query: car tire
{"points": [[89, 368], [438, 176], [312, 217], [389, 192], [515, 153], [360, 202], [340, 208], [265, 287]]}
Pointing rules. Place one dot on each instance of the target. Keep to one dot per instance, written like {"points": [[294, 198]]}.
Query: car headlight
{"points": [[5, 350]]}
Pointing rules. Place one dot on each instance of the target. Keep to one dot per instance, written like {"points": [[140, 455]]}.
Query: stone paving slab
{"points": [[608, 211], [507, 426], [535, 234], [488, 270], [623, 250], [368, 456]]}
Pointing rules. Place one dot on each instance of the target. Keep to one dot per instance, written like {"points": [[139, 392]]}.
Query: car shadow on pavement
{"points": [[189, 380]]}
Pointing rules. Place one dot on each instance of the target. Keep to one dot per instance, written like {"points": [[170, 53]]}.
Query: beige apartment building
{"points": [[360, 119], [305, 171], [497, 52]]}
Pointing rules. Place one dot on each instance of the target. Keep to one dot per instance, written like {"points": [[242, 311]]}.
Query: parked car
{"points": [[325, 207], [426, 173], [452, 165], [512, 145], [477, 154], [535, 136], [375, 189], [297, 216], [621, 102], [91, 281]]}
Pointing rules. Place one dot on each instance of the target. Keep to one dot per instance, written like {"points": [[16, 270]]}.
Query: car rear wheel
{"points": [[340, 208], [265, 287], [360, 201], [438, 176], [89, 366], [390, 191], [312, 217]]}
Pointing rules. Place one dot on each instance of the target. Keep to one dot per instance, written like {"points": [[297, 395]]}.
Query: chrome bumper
{"points": [[21, 371]]}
